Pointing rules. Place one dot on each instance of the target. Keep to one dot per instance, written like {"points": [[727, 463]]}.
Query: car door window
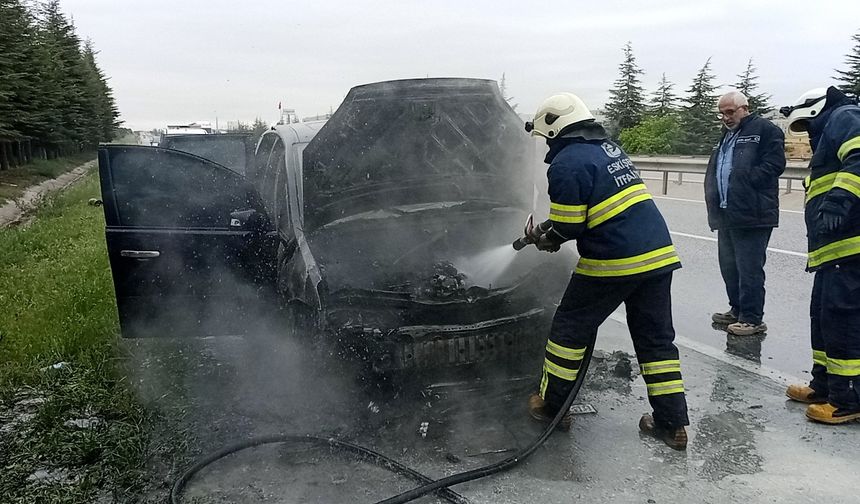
{"points": [[170, 189]]}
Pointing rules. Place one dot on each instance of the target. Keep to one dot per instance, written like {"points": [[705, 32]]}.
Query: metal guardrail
{"points": [[794, 170]]}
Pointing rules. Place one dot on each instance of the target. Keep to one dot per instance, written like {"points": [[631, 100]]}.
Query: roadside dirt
{"points": [[15, 212]]}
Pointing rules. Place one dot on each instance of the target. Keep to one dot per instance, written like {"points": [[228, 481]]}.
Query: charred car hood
{"points": [[417, 141]]}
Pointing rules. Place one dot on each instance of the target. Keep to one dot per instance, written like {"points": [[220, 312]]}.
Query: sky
{"points": [[178, 61]]}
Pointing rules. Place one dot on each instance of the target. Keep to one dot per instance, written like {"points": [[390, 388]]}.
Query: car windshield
{"points": [[226, 150]]}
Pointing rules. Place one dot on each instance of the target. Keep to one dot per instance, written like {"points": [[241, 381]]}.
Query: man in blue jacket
{"points": [[626, 256], [832, 215], [742, 196]]}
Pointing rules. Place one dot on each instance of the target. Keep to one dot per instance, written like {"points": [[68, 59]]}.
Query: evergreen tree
{"points": [[259, 127], [68, 73], [503, 89], [12, 63], [626, 105], [101, 96], [747, 85], [664, 100], [850, 77], [54, 99], [17, 83], [700, 127]]}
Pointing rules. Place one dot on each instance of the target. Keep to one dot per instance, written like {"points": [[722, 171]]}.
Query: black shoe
{"points": [[675, 438]]}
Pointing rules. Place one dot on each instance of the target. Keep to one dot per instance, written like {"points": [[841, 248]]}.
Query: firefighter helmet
{"points": [[557, 112], [807, 107]]}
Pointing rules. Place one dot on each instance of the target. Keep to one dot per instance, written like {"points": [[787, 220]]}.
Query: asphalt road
{"points": [[698, 289]]}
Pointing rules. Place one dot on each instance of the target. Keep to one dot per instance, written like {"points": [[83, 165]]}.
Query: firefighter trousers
{"points": [[835, 329], [587, 302]]}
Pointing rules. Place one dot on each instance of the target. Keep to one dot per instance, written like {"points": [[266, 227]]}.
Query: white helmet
{"points": [[557, 112], [807, 107]]}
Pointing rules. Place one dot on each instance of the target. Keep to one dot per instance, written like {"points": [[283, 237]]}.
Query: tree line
{"points": [[668, 124], [54, 98]]}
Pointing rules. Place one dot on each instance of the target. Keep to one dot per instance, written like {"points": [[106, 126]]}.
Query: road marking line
{"points": [[712, 239], [738, 362], [800, 212]]}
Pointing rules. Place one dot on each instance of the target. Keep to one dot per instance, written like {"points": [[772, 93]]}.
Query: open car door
{"points": [[189, 243]]}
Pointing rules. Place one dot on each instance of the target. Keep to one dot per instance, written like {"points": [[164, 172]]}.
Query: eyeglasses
{"points": [[728, 112]]}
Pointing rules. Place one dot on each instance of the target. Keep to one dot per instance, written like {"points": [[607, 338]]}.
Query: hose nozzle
{"points": [[520, 243], [526, 239]]}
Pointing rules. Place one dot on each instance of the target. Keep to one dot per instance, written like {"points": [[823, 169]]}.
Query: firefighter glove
{"points": [[830, 222], [547, 245]]}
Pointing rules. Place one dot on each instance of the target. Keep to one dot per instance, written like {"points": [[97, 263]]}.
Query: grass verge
{"points": [[14, 182], [58, 307]]}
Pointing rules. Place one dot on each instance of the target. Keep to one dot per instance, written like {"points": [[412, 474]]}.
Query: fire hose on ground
{"points": [[440, 487]]}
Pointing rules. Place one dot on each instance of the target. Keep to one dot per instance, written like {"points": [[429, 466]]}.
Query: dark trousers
{"points": [[742, 255], [835, 317], [586, 304]]}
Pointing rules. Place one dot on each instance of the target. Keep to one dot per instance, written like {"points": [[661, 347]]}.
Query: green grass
{"points": [[14, 182], [58, 306]]}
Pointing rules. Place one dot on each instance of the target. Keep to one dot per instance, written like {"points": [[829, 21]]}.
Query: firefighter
{"points": [[832, 215], [626, 256]]}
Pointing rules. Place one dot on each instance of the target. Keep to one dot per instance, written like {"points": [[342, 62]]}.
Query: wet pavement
{"points": [[698, 289], [747, 442]]}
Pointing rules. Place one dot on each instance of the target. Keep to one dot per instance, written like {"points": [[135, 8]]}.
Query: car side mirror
{"points": [[246, 219]]}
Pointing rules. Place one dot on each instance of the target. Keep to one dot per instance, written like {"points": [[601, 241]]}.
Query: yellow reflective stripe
{"points": [[567, 213], [666, 366], [629, 265], [820, 185], [617, 203], [564, 352], [819, 357], [843, 367], [568, 208], [849, 182], [666, 387], [561, 372], [847, 147], [544, 381], [806, 180], [833, 251]]}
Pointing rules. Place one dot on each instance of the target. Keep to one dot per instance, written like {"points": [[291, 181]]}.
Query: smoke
{"points": [[486, 267]]}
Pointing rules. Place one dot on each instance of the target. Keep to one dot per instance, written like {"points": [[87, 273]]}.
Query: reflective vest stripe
{"points": [[843, 367], [832, 251], [629, 265], [567, 213], [559, 371], [819, 357], [617, 203], [666, 366], [816, 187], [666, 387], [849, 182], [847, 147], [564, 352]]}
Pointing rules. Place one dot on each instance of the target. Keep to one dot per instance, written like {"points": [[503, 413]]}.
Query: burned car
{"points": [[387, 229]]}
